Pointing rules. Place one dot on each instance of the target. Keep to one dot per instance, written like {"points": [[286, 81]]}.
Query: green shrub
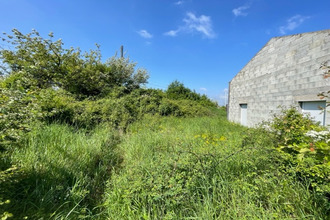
{"points": [[118, 108], [18, 110], [177, 90], [191, 108], [305, 146], [183, 108], [169, 107], [57, 106], [291, 126]]}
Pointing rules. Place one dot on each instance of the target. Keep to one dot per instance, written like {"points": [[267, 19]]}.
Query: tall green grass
{"points": [[60, 173], [205, 168], [162, 168]]}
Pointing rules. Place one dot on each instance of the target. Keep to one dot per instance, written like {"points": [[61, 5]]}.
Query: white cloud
{"points": [[240, 11], [292, 23], [171, 33], [179, 3], [203, 89], [145, 34], [193, 24], [202, 24]]}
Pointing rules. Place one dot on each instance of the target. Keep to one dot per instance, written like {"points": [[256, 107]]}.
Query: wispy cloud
{"points": [[203, 89], [195, 24], [145, 34], [179, 3], [241, 11], [202, 24], [292, 23], [171, 33]]}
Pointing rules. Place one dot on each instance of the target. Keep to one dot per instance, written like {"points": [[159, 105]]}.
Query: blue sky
{"points": [[202, 43]]}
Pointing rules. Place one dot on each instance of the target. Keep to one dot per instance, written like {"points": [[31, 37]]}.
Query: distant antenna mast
{"points": [[121, 51]]}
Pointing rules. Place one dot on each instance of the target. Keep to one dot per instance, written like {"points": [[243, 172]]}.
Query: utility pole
{"points": [[121, 51]]}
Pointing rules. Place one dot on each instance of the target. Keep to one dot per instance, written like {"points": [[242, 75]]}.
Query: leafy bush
{"points": [[169, 107], [183, 108], [18, 110], [305, 146], [177, 90], [291, 126], [117, 108]]}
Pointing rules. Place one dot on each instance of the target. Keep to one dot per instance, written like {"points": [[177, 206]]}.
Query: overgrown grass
{"points": [[205, 168], [60, 173], [162, 168]]}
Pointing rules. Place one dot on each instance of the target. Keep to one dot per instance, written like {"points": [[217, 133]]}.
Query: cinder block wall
{"points": [[285, 71]]}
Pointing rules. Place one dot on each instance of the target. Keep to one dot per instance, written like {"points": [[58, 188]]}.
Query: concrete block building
{"points": [[285, 72]]}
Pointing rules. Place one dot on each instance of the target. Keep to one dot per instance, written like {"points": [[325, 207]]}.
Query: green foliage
{"points": [[117, 108], [63, 113], [168, 168], [205, 168], [183, 108], [305, 146], [52, 105], [290, 126], [17, 112], [46, 63], [176, 90], [59, 174], [45, 81]]}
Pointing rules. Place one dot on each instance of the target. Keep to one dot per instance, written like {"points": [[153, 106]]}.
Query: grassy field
{"points": [[162, 168], [204, 168]]}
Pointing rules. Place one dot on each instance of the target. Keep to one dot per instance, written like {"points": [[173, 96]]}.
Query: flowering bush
{"points": [[319, 135], [305, 146]]}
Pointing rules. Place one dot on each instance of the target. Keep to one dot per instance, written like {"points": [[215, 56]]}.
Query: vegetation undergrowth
{"points": [[62, 113], [60, 173], [206, 168], [304, 147]]}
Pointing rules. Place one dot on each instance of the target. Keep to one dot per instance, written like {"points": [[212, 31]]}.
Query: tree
{"points": [[176, 90], [46, 63]]}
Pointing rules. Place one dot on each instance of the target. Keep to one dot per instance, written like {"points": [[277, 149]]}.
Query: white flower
{"points": [[319, 136]]}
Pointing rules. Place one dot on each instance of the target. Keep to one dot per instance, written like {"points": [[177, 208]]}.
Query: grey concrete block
{"points": [[284, 69]]}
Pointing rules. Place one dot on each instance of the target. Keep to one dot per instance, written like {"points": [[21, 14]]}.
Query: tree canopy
{"points": [[44, 63]]}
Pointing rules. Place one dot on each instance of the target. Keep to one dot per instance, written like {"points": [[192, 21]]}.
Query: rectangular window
{"points": [[315, 109]]}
